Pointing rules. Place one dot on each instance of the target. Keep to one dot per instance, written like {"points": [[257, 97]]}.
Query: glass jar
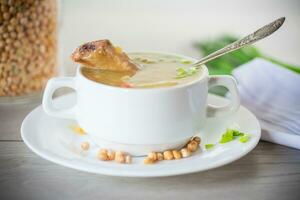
{"points": [[28, 47]]}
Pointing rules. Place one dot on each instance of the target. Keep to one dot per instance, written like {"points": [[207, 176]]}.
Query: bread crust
{"points": [[101, 54]]}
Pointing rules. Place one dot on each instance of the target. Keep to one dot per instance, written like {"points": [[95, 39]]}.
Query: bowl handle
{"points": [[52, 85], [230, 83]]}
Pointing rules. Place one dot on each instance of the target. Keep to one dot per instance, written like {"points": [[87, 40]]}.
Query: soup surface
{"points": [[156, 70]]}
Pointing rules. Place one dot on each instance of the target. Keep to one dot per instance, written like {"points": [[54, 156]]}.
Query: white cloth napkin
{"points": [[272, 93]]}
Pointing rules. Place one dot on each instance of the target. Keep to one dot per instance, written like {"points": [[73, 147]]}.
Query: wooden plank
{"points": [[269, 172], [11, 117]]}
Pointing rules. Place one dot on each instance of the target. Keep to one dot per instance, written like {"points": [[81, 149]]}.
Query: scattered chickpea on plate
{"points": [[152, 157]]}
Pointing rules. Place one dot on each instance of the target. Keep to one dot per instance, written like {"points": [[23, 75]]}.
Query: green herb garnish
{"points": [[244, 138], [184, 61], [227, 136], [231, 134], [209, 146], [182, 72], [236, 133]]}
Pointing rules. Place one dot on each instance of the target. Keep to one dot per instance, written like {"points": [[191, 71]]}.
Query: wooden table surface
{"points": [[269, 172]]}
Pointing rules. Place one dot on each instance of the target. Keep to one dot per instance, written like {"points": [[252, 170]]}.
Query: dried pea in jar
{"points": [[28, 46]]}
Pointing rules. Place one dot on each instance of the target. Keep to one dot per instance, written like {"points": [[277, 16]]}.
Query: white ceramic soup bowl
{"points": [[139, 120]]}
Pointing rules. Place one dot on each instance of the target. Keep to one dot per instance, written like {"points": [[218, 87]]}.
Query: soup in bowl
{"points": [[158, 107], [156, 70]]}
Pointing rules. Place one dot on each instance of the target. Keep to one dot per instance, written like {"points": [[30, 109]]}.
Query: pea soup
{"points": [[156, 70]]}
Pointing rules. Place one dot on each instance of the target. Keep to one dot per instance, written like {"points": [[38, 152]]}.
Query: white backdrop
{"points": [[173, 25]]}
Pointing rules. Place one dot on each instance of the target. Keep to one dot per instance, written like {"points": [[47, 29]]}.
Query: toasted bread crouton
{"points": [[101, 54]]}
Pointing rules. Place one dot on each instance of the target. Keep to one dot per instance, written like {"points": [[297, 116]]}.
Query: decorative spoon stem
{"points": [[249, 39]]}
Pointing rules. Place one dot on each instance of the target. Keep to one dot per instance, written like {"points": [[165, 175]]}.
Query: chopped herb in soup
{"points": [[156, 70]]}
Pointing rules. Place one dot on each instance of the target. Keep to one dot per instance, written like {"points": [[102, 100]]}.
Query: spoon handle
{"points": [[249, 39]]}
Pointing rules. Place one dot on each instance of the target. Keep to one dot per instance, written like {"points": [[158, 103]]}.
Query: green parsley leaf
{"points": [[192, 71], [244, 138], [236, 133], [184, 61], [209, 146], [182, 73], [227, 136]]}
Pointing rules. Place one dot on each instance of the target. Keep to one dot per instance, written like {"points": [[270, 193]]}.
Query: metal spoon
{"points": [[249, 39]]}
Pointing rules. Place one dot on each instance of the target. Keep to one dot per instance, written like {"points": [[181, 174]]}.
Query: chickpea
{"points": [[197, 139], [110, 155], [85, 146], [168, 155], [10, 2], [160, 156], [185, 152], [177, 154], [148, 161], [152, 155], [8, 41], [23, 21], [12, 10], [7, 48], [119, 157], [33, 16], [193, 146], [2, 29], [6, 16], [14, 21], [102, 155], [13, 35], [5, 35], [2, 44], [10, 28]]}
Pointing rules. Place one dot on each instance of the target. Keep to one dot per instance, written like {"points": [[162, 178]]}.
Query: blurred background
{"points": [[30, 29], [176, 25]]}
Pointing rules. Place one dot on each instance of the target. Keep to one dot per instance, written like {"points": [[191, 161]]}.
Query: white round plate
{"points": [[53, 139]]}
